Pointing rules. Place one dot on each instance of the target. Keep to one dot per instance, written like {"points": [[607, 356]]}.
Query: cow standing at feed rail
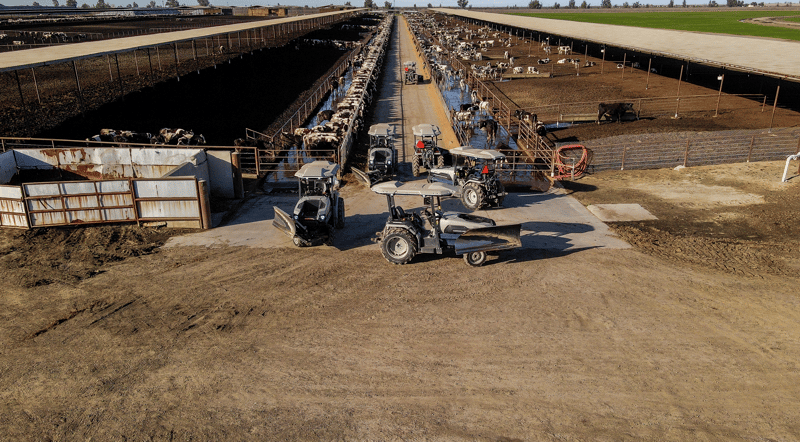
{"points": [[324, 116], [613, 111], [490, 127]]}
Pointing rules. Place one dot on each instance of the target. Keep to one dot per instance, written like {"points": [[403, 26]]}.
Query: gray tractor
{"points": [[432, 231], [410, 75], [320, 210], [427, 152], [382, 164], [474, 173]]}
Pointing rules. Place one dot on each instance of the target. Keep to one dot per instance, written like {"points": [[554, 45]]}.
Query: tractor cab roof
{"points": [[482, 154], [318, 169], [426, 130], [381, 130], [419, 188]]}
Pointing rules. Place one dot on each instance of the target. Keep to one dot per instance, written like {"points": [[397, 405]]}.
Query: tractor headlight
{"points": [[322, 217], [295, 217]]}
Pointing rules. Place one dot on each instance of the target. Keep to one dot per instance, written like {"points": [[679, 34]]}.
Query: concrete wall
{"points": [[220, 173], [8, 166]]}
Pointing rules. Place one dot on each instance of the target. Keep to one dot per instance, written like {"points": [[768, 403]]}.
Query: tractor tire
{"points": [[440, 161], [472, 197], [415, 165], [331, 237], [340, 213], [399, 246], [475, 259]]}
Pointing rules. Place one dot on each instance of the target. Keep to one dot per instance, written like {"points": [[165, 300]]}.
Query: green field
{"points": [[720, 22]]}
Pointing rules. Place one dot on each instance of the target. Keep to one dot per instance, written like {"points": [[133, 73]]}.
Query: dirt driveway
{"points": [[655, 342]]}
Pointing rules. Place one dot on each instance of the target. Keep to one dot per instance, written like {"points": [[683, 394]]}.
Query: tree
{"points": [[535, 4], [636, 4], [171, 3], [100, 4], [605, 4], [712, 3], [584, 5], [556, 5], [571, 4], [203, 2], [55, 3], [135, 5], [347, 4], [626, 5], [671, 4], [731, 3], [85, 6], [430, 5], [35, 4], [462, 3], [72, 3], [369, 4]]}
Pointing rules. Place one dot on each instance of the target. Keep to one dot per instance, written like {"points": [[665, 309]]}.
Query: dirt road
{"points": [[230, 342]]}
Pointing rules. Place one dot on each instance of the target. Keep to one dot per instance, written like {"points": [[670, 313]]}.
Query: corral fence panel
{"points": [[692, 149]]}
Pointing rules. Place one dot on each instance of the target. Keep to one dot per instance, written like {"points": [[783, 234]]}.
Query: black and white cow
{"points": [[613, 111], [324, 116], [490, 126]]}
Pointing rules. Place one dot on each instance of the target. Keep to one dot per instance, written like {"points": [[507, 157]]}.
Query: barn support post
{"points": [[603, 63], [110, 75], [774, 106], [158, 56], [750, 150], [119, 77], [764, 104], [78, 85], [205, 204], [228, 35], [238, 183], [150, 61], [36, 85], [177, 72], [19, 88], [719, 97], [624, 60], [206, 40], [194, 49], [647, 84], [136, 60]]}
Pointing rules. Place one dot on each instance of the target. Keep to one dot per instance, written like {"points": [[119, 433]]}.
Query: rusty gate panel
{"points": [[79, 202], [172, 200], [12, 207]]}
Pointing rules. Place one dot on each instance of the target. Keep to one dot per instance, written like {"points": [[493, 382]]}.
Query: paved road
{"points": [[550, 220]]}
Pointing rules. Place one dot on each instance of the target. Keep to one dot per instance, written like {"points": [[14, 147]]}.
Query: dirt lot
{"points": [[690, 335]]}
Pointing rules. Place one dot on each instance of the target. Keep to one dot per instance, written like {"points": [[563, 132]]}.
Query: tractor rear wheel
{"points": [[472, 196], [501, 194], [415, 165], [440, 161], [399, 246], [340, 213], [475, 259]]}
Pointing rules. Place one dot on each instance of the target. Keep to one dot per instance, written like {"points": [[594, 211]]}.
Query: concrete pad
{"points": [[620, 212]]}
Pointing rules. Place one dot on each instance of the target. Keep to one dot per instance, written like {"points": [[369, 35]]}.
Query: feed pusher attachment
{"points": [[368, 178], [487, 239], [284, 222]]}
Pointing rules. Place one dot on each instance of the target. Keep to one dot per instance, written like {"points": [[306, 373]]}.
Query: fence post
{"points": [[774, 105], [236, 165], [750, 151], [205, 204], [624, 153]]}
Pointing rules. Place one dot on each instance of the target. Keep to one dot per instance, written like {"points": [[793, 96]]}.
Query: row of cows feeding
{"points": [[166, 136], [335, 129]]}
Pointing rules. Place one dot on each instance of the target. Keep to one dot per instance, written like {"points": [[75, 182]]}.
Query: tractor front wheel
{"points": [[399, 246], [340, 213], [415, 165]]}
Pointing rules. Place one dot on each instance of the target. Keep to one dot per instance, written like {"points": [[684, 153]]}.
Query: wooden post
{"points": [[205, 204], [774, 106], [603, 63], [624, 60], [647, 84], [750, 151], [686, 154], [719, 97], [110, 75], [136, 60]]}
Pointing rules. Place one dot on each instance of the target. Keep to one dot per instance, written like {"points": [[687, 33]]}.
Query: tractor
{"points": [[382, 164], [320, 210], [433, 231], [410, 75], [474, 174], [427, 152]]}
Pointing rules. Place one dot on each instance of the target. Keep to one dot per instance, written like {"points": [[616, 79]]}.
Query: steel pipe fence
{"points": [[694, 149]]}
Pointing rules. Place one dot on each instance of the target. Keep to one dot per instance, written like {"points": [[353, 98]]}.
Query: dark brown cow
{"points": [[613, 111]]}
